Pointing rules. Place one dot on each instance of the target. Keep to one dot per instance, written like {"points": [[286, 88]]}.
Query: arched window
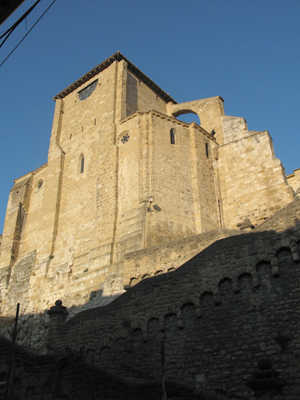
{"points": [[87, 91], [207, 150], [172, 136], [81, 163]]}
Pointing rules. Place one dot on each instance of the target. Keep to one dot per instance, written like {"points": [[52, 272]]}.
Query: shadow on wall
{"points": [[220, 313], [73, 375], [233, 304], [232, 259], [33, 324]]}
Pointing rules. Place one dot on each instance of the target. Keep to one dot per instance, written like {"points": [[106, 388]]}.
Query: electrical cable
{"points": [[27, 33], [12, 28]]}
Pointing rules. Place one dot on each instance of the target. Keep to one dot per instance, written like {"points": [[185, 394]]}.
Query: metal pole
{"points": [[220, 215], [93, 378], [7, 391], [164, 394]]}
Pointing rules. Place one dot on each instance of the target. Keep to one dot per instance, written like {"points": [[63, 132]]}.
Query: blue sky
{"points": [[246, 51]]}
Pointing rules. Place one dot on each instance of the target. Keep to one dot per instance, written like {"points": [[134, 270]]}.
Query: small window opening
{"points": [[172, 136], [95, 121], [40, 183], [207, 150], [81, 164]]}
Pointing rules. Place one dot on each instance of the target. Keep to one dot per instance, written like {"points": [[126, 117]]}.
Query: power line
{"points": [[27, 33], [12, 28]]}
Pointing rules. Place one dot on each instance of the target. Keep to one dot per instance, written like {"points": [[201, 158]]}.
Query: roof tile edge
{"points": [[106, 63]]}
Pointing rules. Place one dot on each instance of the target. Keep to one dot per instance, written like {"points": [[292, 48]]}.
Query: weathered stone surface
{"points": [[294, 181], [218, 314], [63, 376], [82, 223], [133, 198]]}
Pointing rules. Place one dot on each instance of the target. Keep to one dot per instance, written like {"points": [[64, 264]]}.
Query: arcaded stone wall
{"points": [[233, 304]]}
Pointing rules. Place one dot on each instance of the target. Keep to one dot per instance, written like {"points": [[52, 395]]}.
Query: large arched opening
{"points": [[187, 115]]}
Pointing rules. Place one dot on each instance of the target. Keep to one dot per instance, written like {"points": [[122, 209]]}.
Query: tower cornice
{"points": [[105, 64]]}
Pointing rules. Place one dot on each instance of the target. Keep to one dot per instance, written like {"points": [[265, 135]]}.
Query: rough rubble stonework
{"points": [[294, 180], [126, 185], [228, 318], [231, 308]]}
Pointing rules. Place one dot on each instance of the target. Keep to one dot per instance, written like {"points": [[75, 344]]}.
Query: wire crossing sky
{"points": [[245, 51], [17, 23]]}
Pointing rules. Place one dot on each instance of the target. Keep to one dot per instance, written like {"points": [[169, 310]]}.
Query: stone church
{"points": [[130, 191], [174, 249]]}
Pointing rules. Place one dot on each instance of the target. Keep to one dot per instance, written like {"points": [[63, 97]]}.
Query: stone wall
{"points": [[139, 97], [13, 223], [230, 306], [287, 217], [252, 180], [116, 143], [33, 376], [209, 111], [294, 180], [233, 304], [73, 375], [156, 260]]}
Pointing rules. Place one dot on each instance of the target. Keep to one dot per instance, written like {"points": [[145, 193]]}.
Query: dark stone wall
{"points": [[33, 376], [69, 376], [233, 304]]}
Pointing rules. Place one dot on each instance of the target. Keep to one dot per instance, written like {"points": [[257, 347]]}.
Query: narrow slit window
{"points": [[207, 150], [81, 164], [172, 136]]}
